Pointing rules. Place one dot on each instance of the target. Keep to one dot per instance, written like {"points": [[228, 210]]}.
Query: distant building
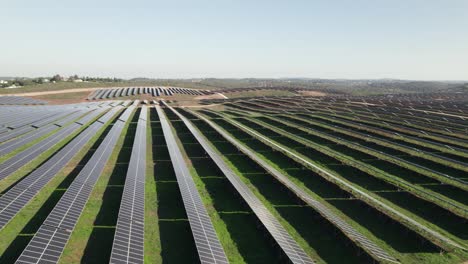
{"points": [[78, 80], [3, 82]]}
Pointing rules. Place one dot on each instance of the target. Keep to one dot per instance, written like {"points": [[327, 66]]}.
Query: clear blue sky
{"points": [[407, 39]]}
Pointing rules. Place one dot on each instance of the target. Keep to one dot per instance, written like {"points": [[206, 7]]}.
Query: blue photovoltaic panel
{"points": [[128, 246], [295, 253], [49, 241], [206, 240], [369, 246]]}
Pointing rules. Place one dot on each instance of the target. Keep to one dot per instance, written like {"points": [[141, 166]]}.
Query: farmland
{"points": [[140, 175]]}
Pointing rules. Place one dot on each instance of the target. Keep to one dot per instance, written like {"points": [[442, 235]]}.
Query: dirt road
{"points": [[76, 90]]}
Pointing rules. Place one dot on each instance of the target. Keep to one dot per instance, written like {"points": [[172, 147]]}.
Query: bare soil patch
{"points": [[77, 90], [312, 93], [211, 96]]}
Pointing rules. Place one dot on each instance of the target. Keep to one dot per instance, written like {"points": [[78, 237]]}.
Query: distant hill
{"points": [[11, 78]]}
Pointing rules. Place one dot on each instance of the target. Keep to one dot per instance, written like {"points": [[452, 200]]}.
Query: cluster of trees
{"points": [[55, 79], [99, 79]]}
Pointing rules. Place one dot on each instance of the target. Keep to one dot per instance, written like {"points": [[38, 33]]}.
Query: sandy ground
{"points": [[211, 96], [57, 91], [312, 93]]}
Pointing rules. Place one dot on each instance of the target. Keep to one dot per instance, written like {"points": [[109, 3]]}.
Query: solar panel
{"points": [[24, 130], [126, 103], [12, 145], [114, 93], [22, 193], [208, 246], [92, 95], [106, 117], [348, 230], [19, 100], [23, 116], [14, 133], [11, 165], [128, 91], [120, 92], [295, 253], [49, 241], [128, 246], [60, 118], [96, 94]]}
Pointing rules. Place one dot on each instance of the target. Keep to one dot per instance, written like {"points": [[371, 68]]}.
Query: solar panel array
{"points": [[15, 143], [22, 193], [208, 246], [19, 100], [128, 246], [352, 233], [19, 120], [49, 241], [290, 247], [153, 91], [26, 132], [14, 163]]}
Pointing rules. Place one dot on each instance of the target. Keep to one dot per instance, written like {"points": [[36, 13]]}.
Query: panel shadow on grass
{"points": [[254, 244], [99, 246], [393, 233], [441, 217], [15, 249], [322, 236], [177, 244], [170, 204]]}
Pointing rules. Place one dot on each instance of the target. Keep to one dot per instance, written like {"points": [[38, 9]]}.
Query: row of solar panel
{"points": [[153, 91], [13, 164], [22, 193], [51, 238], [295, 253], [19, 100], [207, 242], [369, 246], [128, 246], [18, 120], [49, 241], [16, 117]]}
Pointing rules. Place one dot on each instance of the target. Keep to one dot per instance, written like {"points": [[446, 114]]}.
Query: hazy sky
{"points": [[407, 39]]}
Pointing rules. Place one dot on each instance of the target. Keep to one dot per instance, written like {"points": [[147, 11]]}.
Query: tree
{"points": [[56, 78]]}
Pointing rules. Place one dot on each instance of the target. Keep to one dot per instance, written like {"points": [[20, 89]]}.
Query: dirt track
{"points": [[76, 90]]}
